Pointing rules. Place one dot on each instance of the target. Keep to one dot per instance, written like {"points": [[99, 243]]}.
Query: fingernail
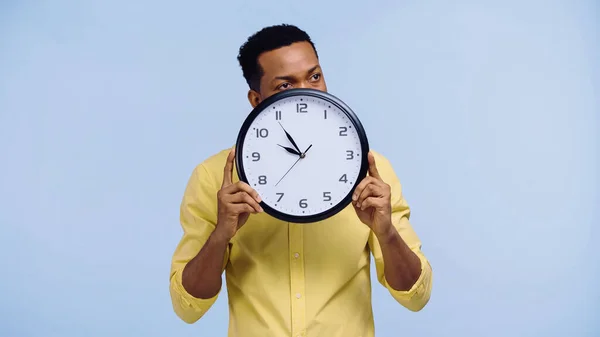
{"points": [[260, 209], [354, 197]]}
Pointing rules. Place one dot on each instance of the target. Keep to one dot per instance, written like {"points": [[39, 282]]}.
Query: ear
{"points": [[253, 98]]}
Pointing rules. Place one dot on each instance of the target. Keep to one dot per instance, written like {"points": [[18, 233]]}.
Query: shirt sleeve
{"points": [[198, 216], [417, 297]]}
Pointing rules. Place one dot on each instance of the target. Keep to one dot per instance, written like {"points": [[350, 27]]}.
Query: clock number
{"points": [[324, 114], [302, 203], [343, 131], [326, 196], [256, 156], [343, 178], [262, 180], [278, 115], [280, 196], [301, 107], [262, 133], [349, 154]]}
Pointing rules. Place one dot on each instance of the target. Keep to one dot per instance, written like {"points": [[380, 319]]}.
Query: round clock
{"points": [[304, 151]]}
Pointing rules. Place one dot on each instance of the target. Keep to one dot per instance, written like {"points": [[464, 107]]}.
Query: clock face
{"points": [[303, 151]]}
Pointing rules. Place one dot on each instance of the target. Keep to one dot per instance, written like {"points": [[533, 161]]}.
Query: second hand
{"points": [[297, 160], [302, 155]]}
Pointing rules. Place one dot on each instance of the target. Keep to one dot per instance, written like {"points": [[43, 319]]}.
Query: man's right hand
{"points": [[235, 202]]}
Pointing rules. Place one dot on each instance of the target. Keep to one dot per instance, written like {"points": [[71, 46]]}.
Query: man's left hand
{"points": [[372, 201]]}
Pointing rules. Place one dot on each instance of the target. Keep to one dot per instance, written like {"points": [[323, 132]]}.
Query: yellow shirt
{"points": [[287, 279]]}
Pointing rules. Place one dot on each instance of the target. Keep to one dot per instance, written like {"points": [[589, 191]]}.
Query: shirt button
{"points": [[298, 295], [296, 255]]}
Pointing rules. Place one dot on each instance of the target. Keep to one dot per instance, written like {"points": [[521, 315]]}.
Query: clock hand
{"points": [[304, 153], [290, 138], [288, 171], [290, 150]]}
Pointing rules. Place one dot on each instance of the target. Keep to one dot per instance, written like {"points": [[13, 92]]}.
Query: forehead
{"points": [[294, 59]]}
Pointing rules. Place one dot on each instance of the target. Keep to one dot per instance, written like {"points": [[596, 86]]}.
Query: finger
{"points": [[228, 170], [368, 191], [371, 202], [371, 191], [373, 167], [241, 209], [361, 186], [242, 186], [244, 197]]}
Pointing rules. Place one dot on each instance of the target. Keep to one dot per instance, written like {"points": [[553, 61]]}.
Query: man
{"points": [[286, 279]]}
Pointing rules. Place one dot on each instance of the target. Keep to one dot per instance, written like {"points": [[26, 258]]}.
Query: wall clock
{"points": [[304, 151]]}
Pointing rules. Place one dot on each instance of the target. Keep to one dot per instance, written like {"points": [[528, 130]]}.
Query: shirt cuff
{"points": [[419, 292], [188, 301]]}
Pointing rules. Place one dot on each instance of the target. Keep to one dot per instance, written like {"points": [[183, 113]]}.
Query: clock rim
{"points": [[326, 96]]}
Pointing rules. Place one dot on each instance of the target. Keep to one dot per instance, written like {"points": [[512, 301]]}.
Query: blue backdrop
{"points": [[488, 111]]}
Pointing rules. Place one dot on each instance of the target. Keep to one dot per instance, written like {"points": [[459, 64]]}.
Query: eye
{"points": [[315, 77], [284, 86]]}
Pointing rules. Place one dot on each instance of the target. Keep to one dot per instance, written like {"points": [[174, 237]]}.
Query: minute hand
{"points": [[290, 139]]}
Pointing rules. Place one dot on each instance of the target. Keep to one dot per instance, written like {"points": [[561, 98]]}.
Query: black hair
{"points": [[267, 39]]}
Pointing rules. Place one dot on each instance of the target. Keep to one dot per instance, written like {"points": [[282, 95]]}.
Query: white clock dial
{"points": [[325, 168]]}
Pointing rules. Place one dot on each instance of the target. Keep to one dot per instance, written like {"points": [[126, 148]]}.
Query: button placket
{"points": [[298, 304]]}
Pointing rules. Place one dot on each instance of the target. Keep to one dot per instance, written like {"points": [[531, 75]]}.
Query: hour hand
{"points": [[290, 150], [289, 137]]}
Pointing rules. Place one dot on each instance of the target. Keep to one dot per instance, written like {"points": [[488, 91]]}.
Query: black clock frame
{"points": [[342, 107]]}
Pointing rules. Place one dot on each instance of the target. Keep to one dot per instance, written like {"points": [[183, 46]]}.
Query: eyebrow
{"points": [[289, 78]]}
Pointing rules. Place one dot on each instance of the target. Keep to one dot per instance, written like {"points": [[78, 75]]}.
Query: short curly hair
{"points": [[267, 39]]}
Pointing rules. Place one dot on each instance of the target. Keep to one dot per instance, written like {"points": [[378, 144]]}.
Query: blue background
{"points": [[488, 111]]}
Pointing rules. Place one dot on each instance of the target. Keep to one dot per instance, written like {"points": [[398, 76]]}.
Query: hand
{"points": [[302, 155], [288, 171], [289, 137], [290, 150], [372, 201], [235, 202]]}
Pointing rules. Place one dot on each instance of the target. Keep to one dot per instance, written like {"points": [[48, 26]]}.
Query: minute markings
{"points": [[270, 156]]}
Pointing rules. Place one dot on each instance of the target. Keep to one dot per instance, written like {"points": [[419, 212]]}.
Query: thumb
{"points": [[228, 169], [373, 167]]}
